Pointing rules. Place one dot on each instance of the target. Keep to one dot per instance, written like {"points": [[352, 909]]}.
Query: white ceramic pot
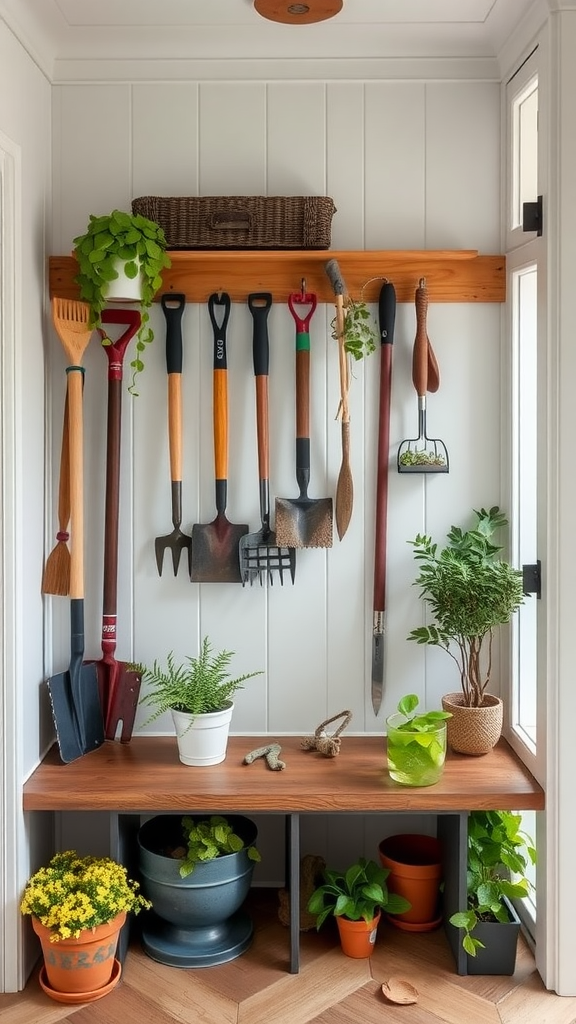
{"points": [[202, 739], [123, 288]]}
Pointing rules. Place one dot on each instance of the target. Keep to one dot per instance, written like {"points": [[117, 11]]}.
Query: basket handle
{"points": [[231, 220]]}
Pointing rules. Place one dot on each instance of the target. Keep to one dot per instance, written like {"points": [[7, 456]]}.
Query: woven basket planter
{"points": [[473, 730], [241, 222]]}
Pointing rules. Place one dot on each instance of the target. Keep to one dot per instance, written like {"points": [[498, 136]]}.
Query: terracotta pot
{"points": [[415, 866], [83, 965], [473, 730], [357, 938]]}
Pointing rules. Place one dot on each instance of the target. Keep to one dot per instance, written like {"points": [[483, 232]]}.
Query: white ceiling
{"points": [[104, 30]]}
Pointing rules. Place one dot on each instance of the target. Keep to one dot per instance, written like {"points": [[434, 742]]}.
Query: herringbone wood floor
{"points": [[330, 989]]}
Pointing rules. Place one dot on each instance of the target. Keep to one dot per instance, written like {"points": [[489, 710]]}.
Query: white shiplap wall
{"points": [[409, 165]]}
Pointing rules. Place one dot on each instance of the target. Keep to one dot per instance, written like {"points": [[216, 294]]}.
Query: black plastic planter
{"points": [[500, 941]]}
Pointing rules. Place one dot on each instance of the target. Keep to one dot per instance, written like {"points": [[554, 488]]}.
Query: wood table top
{"points": [[146, 775]]}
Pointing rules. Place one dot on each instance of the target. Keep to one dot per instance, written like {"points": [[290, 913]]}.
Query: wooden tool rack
{"points": [[145, 776]]}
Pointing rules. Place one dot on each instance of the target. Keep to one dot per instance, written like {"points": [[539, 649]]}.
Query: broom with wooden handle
{"points": [[56, 575]]}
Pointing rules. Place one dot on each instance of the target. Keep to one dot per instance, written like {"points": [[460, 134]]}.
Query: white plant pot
{"points": [[202, 739], [123, 288]]}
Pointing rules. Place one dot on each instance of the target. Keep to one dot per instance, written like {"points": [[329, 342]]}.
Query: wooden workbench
{"points": [[145, 776]]}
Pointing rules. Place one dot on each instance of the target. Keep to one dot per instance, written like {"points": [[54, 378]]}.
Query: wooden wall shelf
{"points": [[451, 276]]}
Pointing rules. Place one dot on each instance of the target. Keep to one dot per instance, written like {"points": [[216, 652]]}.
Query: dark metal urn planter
{"points": [[500, 940], [197, 921]]}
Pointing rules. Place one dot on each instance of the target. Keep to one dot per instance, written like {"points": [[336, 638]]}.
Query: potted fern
{"points": [[470, 591], [198, 694], [120, 259]]}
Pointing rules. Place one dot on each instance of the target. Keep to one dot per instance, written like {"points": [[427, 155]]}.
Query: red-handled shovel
{"points": [[119, 685]]}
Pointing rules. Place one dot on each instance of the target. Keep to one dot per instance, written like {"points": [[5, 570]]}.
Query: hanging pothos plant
{"points": [[139, 243]]}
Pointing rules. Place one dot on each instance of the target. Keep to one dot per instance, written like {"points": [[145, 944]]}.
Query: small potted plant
{"points": [[498, 848], [470, 592], [120, 258], [199, 695], [78, 906], [416, 743], [197, 871], [355, 898]]}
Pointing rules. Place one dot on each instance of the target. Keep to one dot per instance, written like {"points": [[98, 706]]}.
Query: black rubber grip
{"points": [[219, 302], [173, 306], [387, 313], [259, 304]]}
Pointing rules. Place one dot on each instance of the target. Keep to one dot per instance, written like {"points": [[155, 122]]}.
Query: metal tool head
{"points": [[176, 542], [261, 558], [304, 522], [78, 723], [215, 547]]}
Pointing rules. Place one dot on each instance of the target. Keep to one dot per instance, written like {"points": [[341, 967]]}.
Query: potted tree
{"points": [[470, 592], [78, 906], [120, 259], [197, 871], [416, 743], [355, 898], [199, 695], [497, 849]]}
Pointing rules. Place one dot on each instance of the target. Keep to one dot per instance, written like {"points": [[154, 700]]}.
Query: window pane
{"points": [[525, 151], [524, 496]]}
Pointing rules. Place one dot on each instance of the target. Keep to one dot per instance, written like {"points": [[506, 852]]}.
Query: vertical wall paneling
{"points": [[345, 162], [462, 165], [232, 138], [395, 166], [378, 149], [165, 139]]}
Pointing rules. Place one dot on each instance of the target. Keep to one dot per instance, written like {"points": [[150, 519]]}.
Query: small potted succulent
{"points": [[469, 592], [78, 906], [197, 871], [120, 258], [198, 693], [499, 853], [355, 898]]}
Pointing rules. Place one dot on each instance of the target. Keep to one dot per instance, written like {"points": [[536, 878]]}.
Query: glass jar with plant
{"points": [[469, 592], [355, 897], [127, 244], [416, 743], [499, 854], [198, 694]]}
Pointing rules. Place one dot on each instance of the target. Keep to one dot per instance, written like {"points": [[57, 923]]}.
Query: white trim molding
{"points": [[12, 839]]}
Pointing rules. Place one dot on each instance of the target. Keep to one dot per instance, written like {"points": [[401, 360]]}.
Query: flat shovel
{"points": [[303, 522], [119, 685], [215, 556], [74, 694]]}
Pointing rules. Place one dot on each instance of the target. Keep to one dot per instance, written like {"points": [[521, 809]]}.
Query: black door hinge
{"points": [[531, 579], [532, 216]]}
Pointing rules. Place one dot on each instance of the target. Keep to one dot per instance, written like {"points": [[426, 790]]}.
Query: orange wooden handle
{"points": [[220, 416], [262, 426], [420, 351], [302, 393], [175, 425], [76, 440]]}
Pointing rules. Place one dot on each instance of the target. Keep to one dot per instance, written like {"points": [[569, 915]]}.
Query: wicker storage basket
{"points": [[241, 222]]}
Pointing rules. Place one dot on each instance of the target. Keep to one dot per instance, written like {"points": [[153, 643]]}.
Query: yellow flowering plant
{"points": [[76, 893]]}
